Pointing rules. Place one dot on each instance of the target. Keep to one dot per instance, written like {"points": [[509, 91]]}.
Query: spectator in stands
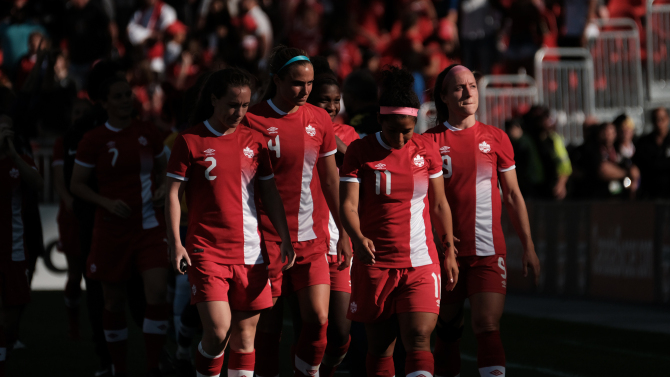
{"points": [[528, 166], [28, 60], [263, 29], [15, 31], [526, 34], [576, 16], [146, 29], [360, 95], [625, 129], [479, 24], [653, 157]]}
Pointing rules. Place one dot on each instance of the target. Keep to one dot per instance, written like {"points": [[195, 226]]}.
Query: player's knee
{"points": [[217, 335], [449, 332], [483, 324], [115, 303], [242, 340], [337, 335], [419, 336]]}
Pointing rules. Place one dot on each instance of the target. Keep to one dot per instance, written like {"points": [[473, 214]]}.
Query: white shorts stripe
{"points": [[484, 212], [306, 210]]}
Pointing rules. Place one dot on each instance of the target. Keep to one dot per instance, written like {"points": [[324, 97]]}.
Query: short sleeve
{"points": [[264, 171], [57, 157], [180, 160], [328, 146], [87, 151], [350, 170], [505, 154], [434, 159]]}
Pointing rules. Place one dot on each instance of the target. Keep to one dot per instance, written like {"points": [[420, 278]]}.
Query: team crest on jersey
{"points": [[14, 173], [353, 307], [110, 144], [311, 131], [419, 161], [273, 130], [209, 152], [142, 140], [248, 152], [380, 166], [445, 149], [485, 147]]}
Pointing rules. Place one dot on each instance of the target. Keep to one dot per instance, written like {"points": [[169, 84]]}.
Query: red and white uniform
{"points": [[296, 141], [14, 286], [123, 163], [68, 232], [339, 280], [394, 214], [472, 159], [223, 240]]}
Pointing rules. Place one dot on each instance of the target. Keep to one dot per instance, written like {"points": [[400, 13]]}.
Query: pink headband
{"points": [[383, 110]]}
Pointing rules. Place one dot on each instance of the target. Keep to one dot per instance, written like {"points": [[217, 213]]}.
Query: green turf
{"points": [[534, 347]]}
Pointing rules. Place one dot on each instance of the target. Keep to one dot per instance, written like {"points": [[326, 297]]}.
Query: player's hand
{"points": [[287, 255], [450, 269], [343, 253], [118, 208], [159, 196], [530, 259], [177, 253], [365, 250]]}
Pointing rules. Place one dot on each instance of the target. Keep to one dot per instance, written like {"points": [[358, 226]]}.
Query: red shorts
{"points": [[14, 285], [340, 281], [477, 275], [378, 293], [115, 253], [310, 267], [244, 286], [68, 233]]}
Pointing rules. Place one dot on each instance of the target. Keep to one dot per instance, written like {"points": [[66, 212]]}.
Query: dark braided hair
{"points": [[323, 76], [397, 90], [279, 56], [217, 84], [440, 106]]}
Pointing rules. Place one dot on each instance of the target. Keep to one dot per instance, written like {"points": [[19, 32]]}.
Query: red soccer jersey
{"points": [[221, 171], [393, 201], [295, 142], [472, 159], [12, 245], [123, 161]]}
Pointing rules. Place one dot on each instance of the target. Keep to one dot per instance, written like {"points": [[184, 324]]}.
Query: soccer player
{"points": [[326, 95], [302, 148], [18, 172], [219, 165], [391, 182], [475, 157], [128, 161]]}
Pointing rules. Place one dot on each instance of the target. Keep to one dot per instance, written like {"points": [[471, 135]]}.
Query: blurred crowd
{"points": [[162, 47]]}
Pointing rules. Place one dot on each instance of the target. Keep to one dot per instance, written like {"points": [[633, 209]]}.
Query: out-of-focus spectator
{"points": [[146, 29], [576, 16], [625, 129], [175, 37], [526, 34], [15, 30], [652, 156], [479, 24], [528, 166], [28, 60], [305, 31], [360, 96], [263, 26]]}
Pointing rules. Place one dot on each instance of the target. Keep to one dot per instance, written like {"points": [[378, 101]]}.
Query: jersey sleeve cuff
{"points": [[265, 178], [350, 179], [82, 163], [57, 162], [436, 175], [177, 177], [328, 153], [502, 170]]}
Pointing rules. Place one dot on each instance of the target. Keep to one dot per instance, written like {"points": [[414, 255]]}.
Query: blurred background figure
{"points": [[653, 157]]}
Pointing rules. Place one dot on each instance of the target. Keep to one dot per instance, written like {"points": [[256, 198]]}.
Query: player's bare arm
{"points": [[351, 222], [440, 215], [330, 186], [274, 208], [177, 252], [78, 186], [28, 175], [518, 214]]}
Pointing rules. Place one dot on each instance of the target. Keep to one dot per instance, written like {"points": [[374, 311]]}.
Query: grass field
{"points": [[534, 347]]}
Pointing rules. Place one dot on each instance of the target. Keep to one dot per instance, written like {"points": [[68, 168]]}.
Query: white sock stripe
{"points": [[492, 371], [332, 361], [420, 373], [3, 353], [198, 374], [205, 354], [155, 327], [116, 335], [240, 373], [306, 369]]}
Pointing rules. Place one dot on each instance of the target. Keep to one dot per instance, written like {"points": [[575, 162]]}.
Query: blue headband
{"points": [[294, 59]]}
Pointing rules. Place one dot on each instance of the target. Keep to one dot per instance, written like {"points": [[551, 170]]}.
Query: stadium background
{"points": [[601, 308]]}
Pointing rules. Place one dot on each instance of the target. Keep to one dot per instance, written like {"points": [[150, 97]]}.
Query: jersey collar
{"points": [[450, 127], [275, 108], [111, 128], [381, 141]]}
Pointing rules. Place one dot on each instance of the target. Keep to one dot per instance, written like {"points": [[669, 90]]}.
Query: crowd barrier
{"points": [[658, 48], [502, 97], [564, 78], [603, 250]]}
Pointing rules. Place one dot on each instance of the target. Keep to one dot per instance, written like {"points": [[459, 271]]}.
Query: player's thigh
{"points": [[314, 303], [338, 323], [487, 308], [382, 337], [155, 285], [243, 330], [215, 317], [114, 295], [415, 329]]}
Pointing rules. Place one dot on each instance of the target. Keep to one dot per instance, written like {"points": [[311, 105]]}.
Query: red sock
{"points": [[241, 364], [379, 366], [267, 354], [310, 348], [3, 351], [207, 365], [419, 363], [154, 329], [490, 354], [333, 358], [116, 334], [72, 294], [447, 358]]}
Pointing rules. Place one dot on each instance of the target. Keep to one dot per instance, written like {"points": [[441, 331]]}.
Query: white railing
{"points": [[502, 97]]}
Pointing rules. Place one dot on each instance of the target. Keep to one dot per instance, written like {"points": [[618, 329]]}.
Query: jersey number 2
{"points": [[210, 168]]}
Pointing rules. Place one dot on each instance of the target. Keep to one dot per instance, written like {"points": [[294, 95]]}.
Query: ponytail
{"points": [[217, 84]]}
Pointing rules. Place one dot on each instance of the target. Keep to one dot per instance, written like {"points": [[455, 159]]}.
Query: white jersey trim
{"points": [[275, 108], [149, 219], [436, 175], [328, 153], [306, 209], [211, 129], [175, 176], [84, 164], [508, 169], [450, 127], [483, 212], [418, 250], [265, 178], [381, 142], [112, 128], [350, 180], [252, 239]]}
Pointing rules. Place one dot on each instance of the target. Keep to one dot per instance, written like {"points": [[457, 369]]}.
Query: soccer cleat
{"points": [[183, 368]]}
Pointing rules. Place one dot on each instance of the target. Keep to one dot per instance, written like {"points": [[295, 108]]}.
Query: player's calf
{"points": [[447, 353]]}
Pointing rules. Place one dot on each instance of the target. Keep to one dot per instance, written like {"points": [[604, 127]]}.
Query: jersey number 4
{"points": [[275, 147]]}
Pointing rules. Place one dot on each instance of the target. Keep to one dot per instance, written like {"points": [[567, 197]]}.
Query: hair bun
{"points": [[396, 78]]}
